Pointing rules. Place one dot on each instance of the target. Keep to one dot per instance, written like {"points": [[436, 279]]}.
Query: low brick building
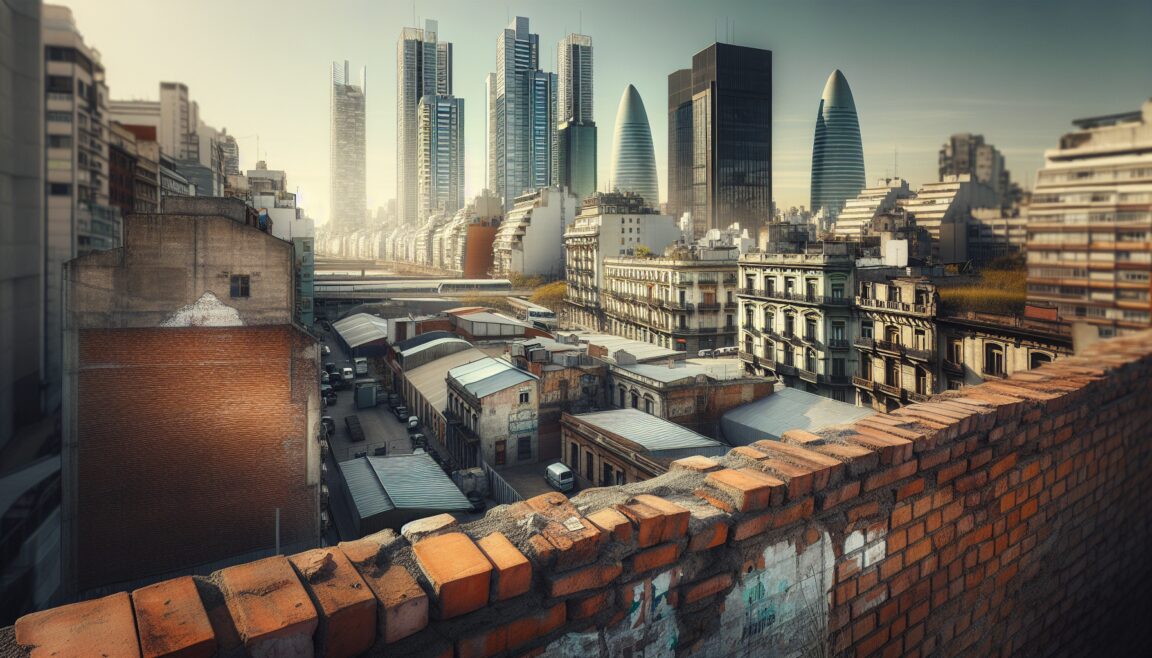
{"points": [[192, 403]]}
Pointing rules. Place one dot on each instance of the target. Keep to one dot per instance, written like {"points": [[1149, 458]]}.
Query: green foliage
{"points": [[642, 251], [1001, 291], [550, 296]]}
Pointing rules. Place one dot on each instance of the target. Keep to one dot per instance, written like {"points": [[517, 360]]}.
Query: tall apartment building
{"points": [[230, 151], [440, 156], [347, 183], [530, 240], [147, 491], [837, 155], [725, 176], [576, 131], [1090, 224], [944, 210], [633, 158], [896, 340], [685, 300], [858, 217], [796, 316], [608, 225], [79, 217], [522, 150], [965, 153], [423, 68]]}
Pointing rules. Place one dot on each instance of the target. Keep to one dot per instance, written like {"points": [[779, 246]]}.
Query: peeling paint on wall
{"points": [[208, 311]]}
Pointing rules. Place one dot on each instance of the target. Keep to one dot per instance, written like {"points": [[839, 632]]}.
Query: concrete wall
{"points": [[176, 269], [1005, 519], [504, 418]]}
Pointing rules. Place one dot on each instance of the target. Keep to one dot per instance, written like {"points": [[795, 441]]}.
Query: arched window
{"points": [[1037, 359], [635, 400], [810, 360], [892, 335], [621, 397], [993, 360], [649, 404], [922, 381]]}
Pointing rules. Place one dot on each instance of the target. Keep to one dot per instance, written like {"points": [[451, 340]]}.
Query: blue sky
{"points": [[1016, 71]]}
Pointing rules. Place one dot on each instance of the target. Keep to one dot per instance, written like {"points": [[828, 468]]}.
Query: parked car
{"points": [[413, 423], [704, 353], [559, 476], [477, 501], [330, 399], [324, 378], [336, 381], [401, 413], [325, 389], [731, 350], [418, 440], [347, 374], [324, 349], [329, 367], [329, 424]]}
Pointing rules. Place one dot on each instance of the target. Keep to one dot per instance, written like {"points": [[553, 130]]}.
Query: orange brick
{"points": [[533, 626], [892, 449], [484, 644], [709, 537], [575, 546], [675, 516], [696, 463], [649, 522], [347, 607], [612, 522], [459, 572], [429, 526], [588, 606], [402, 605], [656, 557], [171, 620], [890, 476], [826, 470], [749, 489], [593, 577], [799, 479], [270, 607], [541, 550], [97, 627], [699, 590], [512, 573]]}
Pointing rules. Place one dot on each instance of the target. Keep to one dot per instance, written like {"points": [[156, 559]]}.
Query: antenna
{"points": [[895, 161]]}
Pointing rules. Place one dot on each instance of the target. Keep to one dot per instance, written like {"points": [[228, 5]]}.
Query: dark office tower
{"points": [[837, 157], [576, 133], [680, 142], [731, 130]]}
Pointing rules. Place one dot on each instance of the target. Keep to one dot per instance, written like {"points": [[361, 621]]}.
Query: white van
{"points": [[559, 476], [731, 350]]}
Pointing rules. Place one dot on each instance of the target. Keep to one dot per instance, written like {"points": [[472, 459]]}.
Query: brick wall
{"points": [[1006, 519], [192, 471]]}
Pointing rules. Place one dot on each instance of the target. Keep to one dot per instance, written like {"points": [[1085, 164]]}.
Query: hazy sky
{"points": [[1016, 71]]}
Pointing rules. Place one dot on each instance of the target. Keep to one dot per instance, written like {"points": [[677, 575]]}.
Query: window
{"points": [[866, 329], [837, 291], [60, 117], [524, 395], [789, 324], [240, 285], [59, 84], [574, 456], [647, 404], [606, 479], [892, 335], [891, 372], [810, 360], [956, 351], [839, 331], [635, 400], [591, 474], [838, 367], [810, 288], [59, 189], [810, 329], [59, 141], [524, 448], [501, 453], [919, 341], [922, 381], [993, 360], [1037, 359]]}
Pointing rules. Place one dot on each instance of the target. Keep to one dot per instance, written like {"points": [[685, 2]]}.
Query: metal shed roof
{"points": [[431, 378], [383, 484], [786, 409], [487, 376], [652, 432], [361, 328]]}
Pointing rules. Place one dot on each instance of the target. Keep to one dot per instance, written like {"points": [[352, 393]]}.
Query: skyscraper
{"points": [[837, 157], [440, 155], [633, 160], [348, 201], [522, 149], [726, 112], [423, 68], [576, 132]]}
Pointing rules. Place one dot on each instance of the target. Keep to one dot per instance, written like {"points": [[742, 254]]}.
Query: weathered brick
{"points": [[708, 537], [511, 571], [890, 476], [612, 522], [693, 592], [749, 489], [695, 463], [346, 606], [799, 480], [535, 625], [649, 523], [103, 627], [655, 557], [459, 572], [588, 606], [171, 620], [269, 605], [892, 449], [401, 604], [428, 526], [675, 516], [593, 577]]}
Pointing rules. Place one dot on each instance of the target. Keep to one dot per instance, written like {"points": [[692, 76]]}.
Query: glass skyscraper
{"points": [[522, 151], [576, 132], [423, 68], [440, 155], [633, 160], [720, 138], [348, 200], [837, 157]]}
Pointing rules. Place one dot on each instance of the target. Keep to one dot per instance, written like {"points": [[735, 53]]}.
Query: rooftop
{"points": [[486, 376], [660, 437], [361, 328], [398, 482], [786, 409]]}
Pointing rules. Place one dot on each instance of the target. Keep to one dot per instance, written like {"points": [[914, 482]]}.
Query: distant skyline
{"points": [[1018, 73]]}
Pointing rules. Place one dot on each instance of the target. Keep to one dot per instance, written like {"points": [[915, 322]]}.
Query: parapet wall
{"points": [[1009, 518]]}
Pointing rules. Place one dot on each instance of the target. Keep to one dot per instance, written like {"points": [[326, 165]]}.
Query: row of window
{"points": [[610, 474]]}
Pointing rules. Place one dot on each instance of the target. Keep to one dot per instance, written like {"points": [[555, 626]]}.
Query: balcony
{"points": [[785, 369], [919, 397], [747, 356], [866, 343], [710, 306], [954, 367], [917, 309], [679, 306], [866, 384], [809, 376], [788, 296], [889, 346], [894, 391], [919, 354], [839, 343], [838, 380]]}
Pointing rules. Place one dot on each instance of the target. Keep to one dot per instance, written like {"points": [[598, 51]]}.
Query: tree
{"points": [[550, 296]]}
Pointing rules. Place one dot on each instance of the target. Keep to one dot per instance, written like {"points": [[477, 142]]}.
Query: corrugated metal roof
{"points": [[639, 349], [383, 484], [421, 339], [786, 409], [416, 349], [493, 318], [361, 328], [430, 378], [652, 432], [487, 376]]}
